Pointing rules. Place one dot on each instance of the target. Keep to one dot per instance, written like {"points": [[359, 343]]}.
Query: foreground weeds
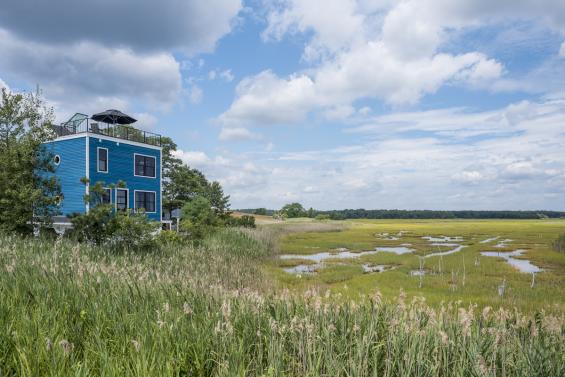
{"points": [[68, 309]]}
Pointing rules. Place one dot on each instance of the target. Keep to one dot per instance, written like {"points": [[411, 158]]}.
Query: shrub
{"points": [[133, 232], [126, 231], [244, 221], [168, 238], [198, 218], [322, 217], [93, 227]]}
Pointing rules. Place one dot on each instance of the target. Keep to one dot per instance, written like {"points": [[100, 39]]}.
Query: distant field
{"points": [[463, 275]]}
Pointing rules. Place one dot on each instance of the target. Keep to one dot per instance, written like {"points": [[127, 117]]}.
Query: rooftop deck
{"points": [[81, 123]]}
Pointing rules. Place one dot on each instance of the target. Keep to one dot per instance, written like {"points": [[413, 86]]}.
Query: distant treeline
{"points": [[417, 214]]}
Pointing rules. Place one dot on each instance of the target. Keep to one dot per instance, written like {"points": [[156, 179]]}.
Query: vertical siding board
{"points": [[75, 164], [70, 171], [121, 167]]}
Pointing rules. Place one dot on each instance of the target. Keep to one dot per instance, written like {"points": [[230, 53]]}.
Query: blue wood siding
{"points": [[69, 172], [121, 168]]}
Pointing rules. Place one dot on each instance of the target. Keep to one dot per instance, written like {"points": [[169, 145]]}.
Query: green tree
{"points": [[182, 184], [29, 194], [293, 210], [198, 218], [170, 162], [311, 212], [260, 211], [218, 200]]}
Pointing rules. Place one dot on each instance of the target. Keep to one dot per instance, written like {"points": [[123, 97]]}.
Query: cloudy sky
{"points": [[415, 104]]}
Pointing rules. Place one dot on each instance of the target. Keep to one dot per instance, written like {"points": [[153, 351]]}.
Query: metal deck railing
{"points": [[81, 123]]}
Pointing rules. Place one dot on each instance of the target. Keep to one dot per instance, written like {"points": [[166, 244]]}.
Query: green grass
{"points": [[452, 277], [214, 310]]}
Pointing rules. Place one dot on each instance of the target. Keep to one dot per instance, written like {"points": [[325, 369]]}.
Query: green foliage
{"points": [[311, 212], [279, 215], [181, 184], [198, 218], [322, 217], [260, 211], [170, 238], [133, 232], [95, 226], [463, 275], [121, 231], [559, 244], [71, 309], [244, 221], [293, 210], [429, 214], [218, 200], [28, 193]]}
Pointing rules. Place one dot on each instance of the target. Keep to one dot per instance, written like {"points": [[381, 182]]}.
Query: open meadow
{"points": [[441, 260], [215, 309]]}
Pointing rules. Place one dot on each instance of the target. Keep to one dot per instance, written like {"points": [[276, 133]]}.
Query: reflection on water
{"points": [[319, 257], [503, 243], [302, 269], [523, 265], [370, 268], [395, 249]]}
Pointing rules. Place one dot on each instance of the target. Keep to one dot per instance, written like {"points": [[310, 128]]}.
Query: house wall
{"points": [[70, 170], [121, 168]]}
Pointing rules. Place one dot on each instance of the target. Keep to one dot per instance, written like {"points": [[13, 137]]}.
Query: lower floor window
{"points": [[107, 196], [121, 199], [145, 200]]}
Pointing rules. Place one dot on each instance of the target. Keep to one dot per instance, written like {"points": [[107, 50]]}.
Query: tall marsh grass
{"points": [[69, 309], [559, 243]]}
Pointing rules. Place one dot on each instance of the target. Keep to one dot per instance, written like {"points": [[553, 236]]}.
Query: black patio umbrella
{"points": [[113, 117]]}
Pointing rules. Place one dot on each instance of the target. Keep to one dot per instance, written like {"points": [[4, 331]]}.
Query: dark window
{"points": [[145, 166], [107, 196], [121, 199], [102, 159], [145, 200]]}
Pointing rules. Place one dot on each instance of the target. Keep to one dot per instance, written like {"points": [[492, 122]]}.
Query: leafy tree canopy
{"points": [[182, 184], [28, 194], [293, 210], [198, 218]]}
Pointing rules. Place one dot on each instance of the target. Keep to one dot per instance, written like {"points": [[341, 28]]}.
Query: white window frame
{"points": [[144, 155], [135, 200], [116, 198], [98, 160], [57, 156]]}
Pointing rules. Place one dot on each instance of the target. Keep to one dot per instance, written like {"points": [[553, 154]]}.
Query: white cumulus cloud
{"points": [[237, 134]]}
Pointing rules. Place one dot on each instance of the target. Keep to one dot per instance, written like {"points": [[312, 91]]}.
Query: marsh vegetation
{"points": [[215, 310], [441, 260]]}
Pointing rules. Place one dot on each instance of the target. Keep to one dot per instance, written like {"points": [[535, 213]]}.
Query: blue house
{"points": [[109, 153]]}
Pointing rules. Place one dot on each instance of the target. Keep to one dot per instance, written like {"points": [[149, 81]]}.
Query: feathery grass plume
{"points": [[209, 310]]}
